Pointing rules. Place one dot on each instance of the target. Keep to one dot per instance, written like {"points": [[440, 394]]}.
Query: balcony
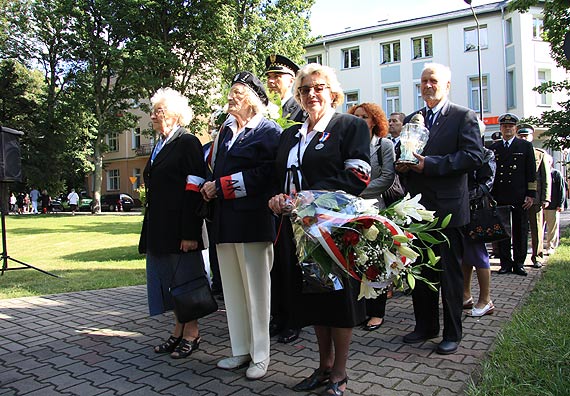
{"points": [[143, 149]]}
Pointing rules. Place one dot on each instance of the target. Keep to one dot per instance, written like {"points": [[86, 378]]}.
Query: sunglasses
{"points": [[305, 89]]}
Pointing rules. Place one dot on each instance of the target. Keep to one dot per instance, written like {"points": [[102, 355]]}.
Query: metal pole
{"points": [[478, 62]]}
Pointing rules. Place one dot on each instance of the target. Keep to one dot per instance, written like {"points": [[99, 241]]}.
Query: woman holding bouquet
{"points": [[330, 151], [382, 157]]}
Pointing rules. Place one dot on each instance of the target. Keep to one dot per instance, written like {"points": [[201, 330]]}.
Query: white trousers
{"points": [[552, 221], [245, 269]]}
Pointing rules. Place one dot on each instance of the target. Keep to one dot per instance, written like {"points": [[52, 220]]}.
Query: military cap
{"points": [[508, 118], [496, 136], [525, 129], [280, 64], [248, 79]]}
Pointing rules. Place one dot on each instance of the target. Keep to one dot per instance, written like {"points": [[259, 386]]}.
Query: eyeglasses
{"points": [[305, 89], [155, 112]]}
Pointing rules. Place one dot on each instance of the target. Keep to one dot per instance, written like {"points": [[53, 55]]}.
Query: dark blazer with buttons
{"points": [[516, 172], [293, 111], [245, 217], [453, 150], [170, 214]]}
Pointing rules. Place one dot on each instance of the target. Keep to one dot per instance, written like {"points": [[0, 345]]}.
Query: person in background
{"points": [[381, 178], [34, 197], [329, 151], [535, 213], [552, 211], [280, 72], [475, 252], [453, 150], [171, 234], [515, 185], [45, 199], [73, 200], [244, 228], [396, 123], [13, 203]]}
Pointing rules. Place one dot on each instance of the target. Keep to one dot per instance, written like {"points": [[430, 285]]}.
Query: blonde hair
{"points": [[325, 72], [175, 103]]}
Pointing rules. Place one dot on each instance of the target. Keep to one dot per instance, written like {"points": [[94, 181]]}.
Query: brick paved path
{"points": [[100, 343]]}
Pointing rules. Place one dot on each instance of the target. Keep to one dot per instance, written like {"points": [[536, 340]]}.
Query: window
{"points": [[136, 143], [537, 28], [508, 31], [315, 59], [422, 47], [390, 52], [113, 141], [470, 37], [544, 98], [392, 100], [350, 99], [351, 58], [137, 174], [113, 180], [511, 102], [419, 99], [474, 97]]}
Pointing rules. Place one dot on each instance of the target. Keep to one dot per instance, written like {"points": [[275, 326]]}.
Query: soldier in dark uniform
{"points": [[515, 185], [280, 72]]}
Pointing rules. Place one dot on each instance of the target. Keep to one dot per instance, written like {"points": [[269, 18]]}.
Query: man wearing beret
{"points": [[515, 185], [535, 213], [280, 72]]}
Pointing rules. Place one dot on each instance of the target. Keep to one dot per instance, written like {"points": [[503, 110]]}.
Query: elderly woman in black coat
{"points": [[172, 232]]}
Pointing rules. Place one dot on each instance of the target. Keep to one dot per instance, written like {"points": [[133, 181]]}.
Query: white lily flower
{"points": [[366, 290], [371, 233], [426, 215], [393, 264], [408, 207], [406, 251]]}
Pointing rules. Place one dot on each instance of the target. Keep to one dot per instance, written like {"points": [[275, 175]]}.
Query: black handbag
{"points": [[489, 222], [193, 299]]}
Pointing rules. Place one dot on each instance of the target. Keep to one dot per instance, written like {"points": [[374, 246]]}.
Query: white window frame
{"points": [[136, 138], [112, 140], [508, 31], [394, 50], [544, 99], [418, 96], [474, 89], [137, 174], [347, 57], [113, 180], [470, 38], [315, 59], [349, 102], [392, 103], [537, 27], [511, 89], [423, 47]]}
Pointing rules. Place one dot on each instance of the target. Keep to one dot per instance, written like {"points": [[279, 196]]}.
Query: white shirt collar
{"points": [[321, 125]]}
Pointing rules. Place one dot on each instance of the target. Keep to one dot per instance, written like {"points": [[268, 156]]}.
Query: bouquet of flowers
{"points": [[340, 235]]}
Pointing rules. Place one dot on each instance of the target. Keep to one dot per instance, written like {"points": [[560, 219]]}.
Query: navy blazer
{"points": [[453, 150], [325, 169], [516, 172], [171, 201], [293, 111], [243, 177]]}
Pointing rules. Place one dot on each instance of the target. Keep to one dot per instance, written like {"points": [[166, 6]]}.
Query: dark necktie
{"points": [[429, 122], [506, 144]]}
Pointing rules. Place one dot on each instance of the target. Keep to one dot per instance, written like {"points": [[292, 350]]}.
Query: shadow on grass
{"points": [[102, 228], [120, 253]]}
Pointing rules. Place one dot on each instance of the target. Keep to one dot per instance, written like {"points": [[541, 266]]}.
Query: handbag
{"points": [[193, 299], [396, 191], [489, 222]]}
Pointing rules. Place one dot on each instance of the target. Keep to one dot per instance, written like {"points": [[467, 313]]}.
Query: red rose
{"points": [[372, 272], [366, 223], [350, 238]]}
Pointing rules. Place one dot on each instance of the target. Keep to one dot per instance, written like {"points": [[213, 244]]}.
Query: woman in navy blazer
{"points": [[171, 235], [244, 229], [330, 151]]}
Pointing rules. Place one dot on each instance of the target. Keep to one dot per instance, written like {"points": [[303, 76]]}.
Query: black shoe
{"points": [[415, 336], [335, 387], [504, 270], [274, 329], [169, 345], [447, 347], [537, 265], [288, 335], [313, 381], [185, 348], [369, 327], [520, 271]]}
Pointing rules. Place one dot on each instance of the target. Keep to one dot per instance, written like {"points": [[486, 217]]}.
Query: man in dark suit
{"points": [[453, 150], [395, 124], [535, 212], [280, 72], [515, 185]]}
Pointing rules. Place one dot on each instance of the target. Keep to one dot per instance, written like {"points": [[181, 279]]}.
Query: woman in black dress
{"points": [[330, 151]]}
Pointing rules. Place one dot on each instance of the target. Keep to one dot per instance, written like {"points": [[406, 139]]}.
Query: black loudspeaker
{"points": [[10, 157]]}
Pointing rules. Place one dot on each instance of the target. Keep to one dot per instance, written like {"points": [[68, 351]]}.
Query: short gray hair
{"points": [[328, 74], [442, 70], [175, 102]]}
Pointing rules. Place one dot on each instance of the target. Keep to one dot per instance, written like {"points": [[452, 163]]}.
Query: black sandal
{"points": [[169, 345], [313, 381], [185, 348], [335, 388]]}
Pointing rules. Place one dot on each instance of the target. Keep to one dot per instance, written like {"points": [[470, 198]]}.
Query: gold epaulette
{"points": [[531, 186]]}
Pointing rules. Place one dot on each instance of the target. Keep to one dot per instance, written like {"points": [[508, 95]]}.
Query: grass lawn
{"points": [[532, 353], [87, 252]]}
